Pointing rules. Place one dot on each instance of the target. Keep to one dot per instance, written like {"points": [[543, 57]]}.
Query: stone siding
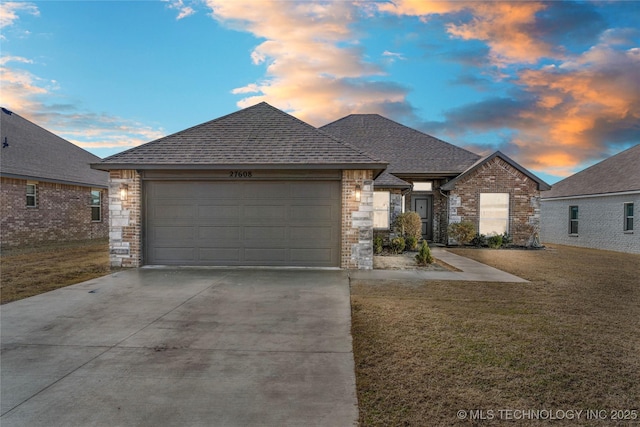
{"points": [[498, 176], [600, 223], [125, 231], [62, 213], [357, 220]]}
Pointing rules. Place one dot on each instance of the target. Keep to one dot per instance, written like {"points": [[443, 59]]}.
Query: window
{"points": [[423, 186], [628, 217], [96, 206], [381, 209], [32, 195], [494, 213], [573, 220]]}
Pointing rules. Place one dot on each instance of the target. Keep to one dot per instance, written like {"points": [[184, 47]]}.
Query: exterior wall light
{"points": [[358, 193], [124, 190]]}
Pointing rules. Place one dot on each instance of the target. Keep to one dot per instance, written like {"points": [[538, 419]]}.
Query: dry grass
{"points": [[32, 271], [569, 340]]}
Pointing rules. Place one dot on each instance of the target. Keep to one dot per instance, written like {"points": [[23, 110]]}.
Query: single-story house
{"points": [[260, 187], [255, 187], [595, 208], [443, 183], [48, 191]]}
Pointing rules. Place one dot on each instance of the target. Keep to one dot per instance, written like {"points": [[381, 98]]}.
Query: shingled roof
{"points": [[260, 137], [33, 153], [619, 173], [407, 150]]}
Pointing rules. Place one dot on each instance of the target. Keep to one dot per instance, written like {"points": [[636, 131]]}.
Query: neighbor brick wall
{"points": [[600, 223], [357, 220], [63, 213], [125, 230], [498, 176]]}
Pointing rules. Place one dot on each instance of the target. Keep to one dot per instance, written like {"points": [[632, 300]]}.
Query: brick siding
{"points": [[498, 176], [63, 213], [357, 220], [125, 231], [600, 223]]}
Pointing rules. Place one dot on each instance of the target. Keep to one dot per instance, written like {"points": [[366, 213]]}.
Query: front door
{"points": [[423, 205]]}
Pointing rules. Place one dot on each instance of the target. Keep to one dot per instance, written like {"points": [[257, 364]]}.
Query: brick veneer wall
{"points": [[498, 176], [125, 230], [357, 220], [63, 213]]}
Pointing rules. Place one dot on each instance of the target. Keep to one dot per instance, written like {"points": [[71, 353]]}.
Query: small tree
{"points": [[408, 224], [462, 232], [424, 256], [397, 245]]}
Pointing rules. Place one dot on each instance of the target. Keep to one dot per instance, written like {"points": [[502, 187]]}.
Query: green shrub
{"points": [[462, 232], [412, 243], [424, 256], [397, 245], [507, 239], [495, 242], [479, 240], [377, 244], [408, 224]]}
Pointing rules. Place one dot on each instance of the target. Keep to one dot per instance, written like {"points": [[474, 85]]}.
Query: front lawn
{"points": [[470, 353], [31, 271]]}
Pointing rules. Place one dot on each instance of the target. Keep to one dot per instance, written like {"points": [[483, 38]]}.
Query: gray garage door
{"points": [[267, 223]]}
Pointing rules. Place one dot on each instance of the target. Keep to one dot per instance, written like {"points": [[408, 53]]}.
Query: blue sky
{"points": [[554, 85]]}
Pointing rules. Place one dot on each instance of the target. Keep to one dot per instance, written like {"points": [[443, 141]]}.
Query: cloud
{"points": [[9, 12], [183, 9], [315, 68], [508, 28]]}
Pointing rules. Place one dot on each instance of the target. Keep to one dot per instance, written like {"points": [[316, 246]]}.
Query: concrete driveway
{"points": [[183, 347]]}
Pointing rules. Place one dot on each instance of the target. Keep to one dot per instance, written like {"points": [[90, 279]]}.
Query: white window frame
{"points": [[381, 209], [33, 195], [422, 186], [573, 220], [493, 209], [98, 205], [628, 219]]}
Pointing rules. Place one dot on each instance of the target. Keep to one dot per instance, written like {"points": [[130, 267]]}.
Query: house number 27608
{"points": [[240, 174]]}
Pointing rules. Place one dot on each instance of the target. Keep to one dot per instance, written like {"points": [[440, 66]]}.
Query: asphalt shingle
{"points": [[31, 152], [616, 174], [258, 135], [407, 150]]}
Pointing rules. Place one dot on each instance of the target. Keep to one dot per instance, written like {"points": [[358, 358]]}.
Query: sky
{"points": [[554, 85]]}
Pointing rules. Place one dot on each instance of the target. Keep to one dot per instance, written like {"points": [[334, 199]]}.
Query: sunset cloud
{"points": [[315, 68], [9, 12]]}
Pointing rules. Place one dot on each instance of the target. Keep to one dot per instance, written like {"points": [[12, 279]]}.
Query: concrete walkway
{"points": [[182, 347], [472, 271]]}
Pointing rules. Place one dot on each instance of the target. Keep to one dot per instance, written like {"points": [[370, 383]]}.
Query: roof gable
{"points": [[451, 184], [258, 136], [31, 152], [407, 150], [616, 174]]}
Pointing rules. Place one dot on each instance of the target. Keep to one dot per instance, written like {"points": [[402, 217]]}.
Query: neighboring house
{"points": [[597, 207], [443, 183], [48, 191], [256, 187]]}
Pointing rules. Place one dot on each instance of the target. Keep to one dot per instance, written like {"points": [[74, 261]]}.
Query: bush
{"points": [[377, 244], [479, 240], [462, 232], [507, 239], [408, 224], [412, 243], [495, 242], [397, 245], [424, 256]]}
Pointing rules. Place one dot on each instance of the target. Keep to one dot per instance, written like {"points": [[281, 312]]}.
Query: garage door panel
{"points": [[219, 233], [242, 223]]}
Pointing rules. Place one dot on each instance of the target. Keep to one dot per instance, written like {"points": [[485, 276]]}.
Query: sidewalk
{"points": [[472, 271]]}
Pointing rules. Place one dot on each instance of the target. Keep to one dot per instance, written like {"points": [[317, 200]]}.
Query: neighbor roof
{"points": [[619, 173], [260, 136], [31, 152], [407, 150], [451, 184]]}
